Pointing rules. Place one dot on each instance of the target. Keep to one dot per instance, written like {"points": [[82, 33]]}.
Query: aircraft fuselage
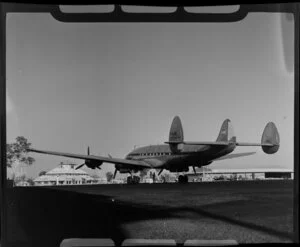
{"points": [[161, 156]]}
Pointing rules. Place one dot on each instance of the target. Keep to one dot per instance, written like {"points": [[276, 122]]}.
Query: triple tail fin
{"points": [[226, 133], [176, 131], [176, 136], [176, 139], [270, 140]]}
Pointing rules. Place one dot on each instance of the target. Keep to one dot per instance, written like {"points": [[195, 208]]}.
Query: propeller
{"points": [[194, 170], [160, 171], [86, 161], [115, 173], [79, 166]]}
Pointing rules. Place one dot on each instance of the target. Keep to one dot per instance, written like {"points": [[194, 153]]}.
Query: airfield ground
{"points": [[246, 211]]}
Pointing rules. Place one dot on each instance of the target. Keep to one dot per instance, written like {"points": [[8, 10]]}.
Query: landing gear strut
{"points": [[183, 179]]}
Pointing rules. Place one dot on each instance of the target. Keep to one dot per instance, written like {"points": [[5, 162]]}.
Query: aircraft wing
{"points": [[232, 156], [138, 163]]}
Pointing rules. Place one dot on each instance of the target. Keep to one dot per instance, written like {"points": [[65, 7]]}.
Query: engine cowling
{"points": [[124, 170], [203, 163], [93, 163]]}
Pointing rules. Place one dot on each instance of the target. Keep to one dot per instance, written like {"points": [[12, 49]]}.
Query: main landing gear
{"points": [[133, 180], [183, 179]]}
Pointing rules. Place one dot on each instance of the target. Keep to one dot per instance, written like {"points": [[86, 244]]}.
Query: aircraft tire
{"points": [[183, 179], [133, 180]]}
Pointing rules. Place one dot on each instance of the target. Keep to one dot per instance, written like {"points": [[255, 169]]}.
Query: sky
{"points": [[113, 86]]}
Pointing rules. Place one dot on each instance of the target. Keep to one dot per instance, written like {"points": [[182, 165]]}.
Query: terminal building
{"points": [[239, 174], [64, 174]]}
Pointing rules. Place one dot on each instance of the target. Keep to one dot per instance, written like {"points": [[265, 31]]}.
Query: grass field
{"points": [[246, 211]]}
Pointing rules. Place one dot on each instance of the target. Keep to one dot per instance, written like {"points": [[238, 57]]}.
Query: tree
{"points": [[109, 176], [167, 177], [30, 181], [20, 178], [143, 173], [18, 152], [42, 173]]}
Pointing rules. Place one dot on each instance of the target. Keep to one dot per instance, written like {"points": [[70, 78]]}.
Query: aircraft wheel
{"points": [[183, 179], [129, 180], [133, 180]]}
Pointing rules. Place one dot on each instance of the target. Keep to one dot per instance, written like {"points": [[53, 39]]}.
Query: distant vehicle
{"points": [[117, 181], [177, 155], [220, 178], [133, 180]]}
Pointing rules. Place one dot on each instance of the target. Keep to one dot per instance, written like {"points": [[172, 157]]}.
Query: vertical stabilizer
{"points": [[226, 132], [270, 139], [176, 131]]}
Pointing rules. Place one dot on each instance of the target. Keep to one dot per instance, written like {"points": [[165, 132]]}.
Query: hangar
{"points": [[240, 174]]}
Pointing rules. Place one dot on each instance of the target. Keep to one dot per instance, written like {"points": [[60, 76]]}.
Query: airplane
{"points": [[177, 155]]}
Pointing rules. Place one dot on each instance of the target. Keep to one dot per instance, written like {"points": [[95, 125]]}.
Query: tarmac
{"points": [[243, 211]]}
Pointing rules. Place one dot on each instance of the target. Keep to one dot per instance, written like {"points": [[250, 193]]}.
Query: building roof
{"points": [[251, 170], [64, 172]]}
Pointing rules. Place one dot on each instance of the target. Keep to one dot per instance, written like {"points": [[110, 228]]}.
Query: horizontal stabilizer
{"points": [[254, 144], [217, 143], [232, 156]]}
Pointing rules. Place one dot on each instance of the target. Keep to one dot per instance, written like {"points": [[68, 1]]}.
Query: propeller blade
{"points": [[99, 167], [115, 173], [109, 156], [194, 170], [88, 150], [160, 172], [79, 166]]}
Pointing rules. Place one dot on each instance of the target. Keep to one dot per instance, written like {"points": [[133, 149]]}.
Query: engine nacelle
{"points": [[93, 163], [205, 163], [124, 170]]}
